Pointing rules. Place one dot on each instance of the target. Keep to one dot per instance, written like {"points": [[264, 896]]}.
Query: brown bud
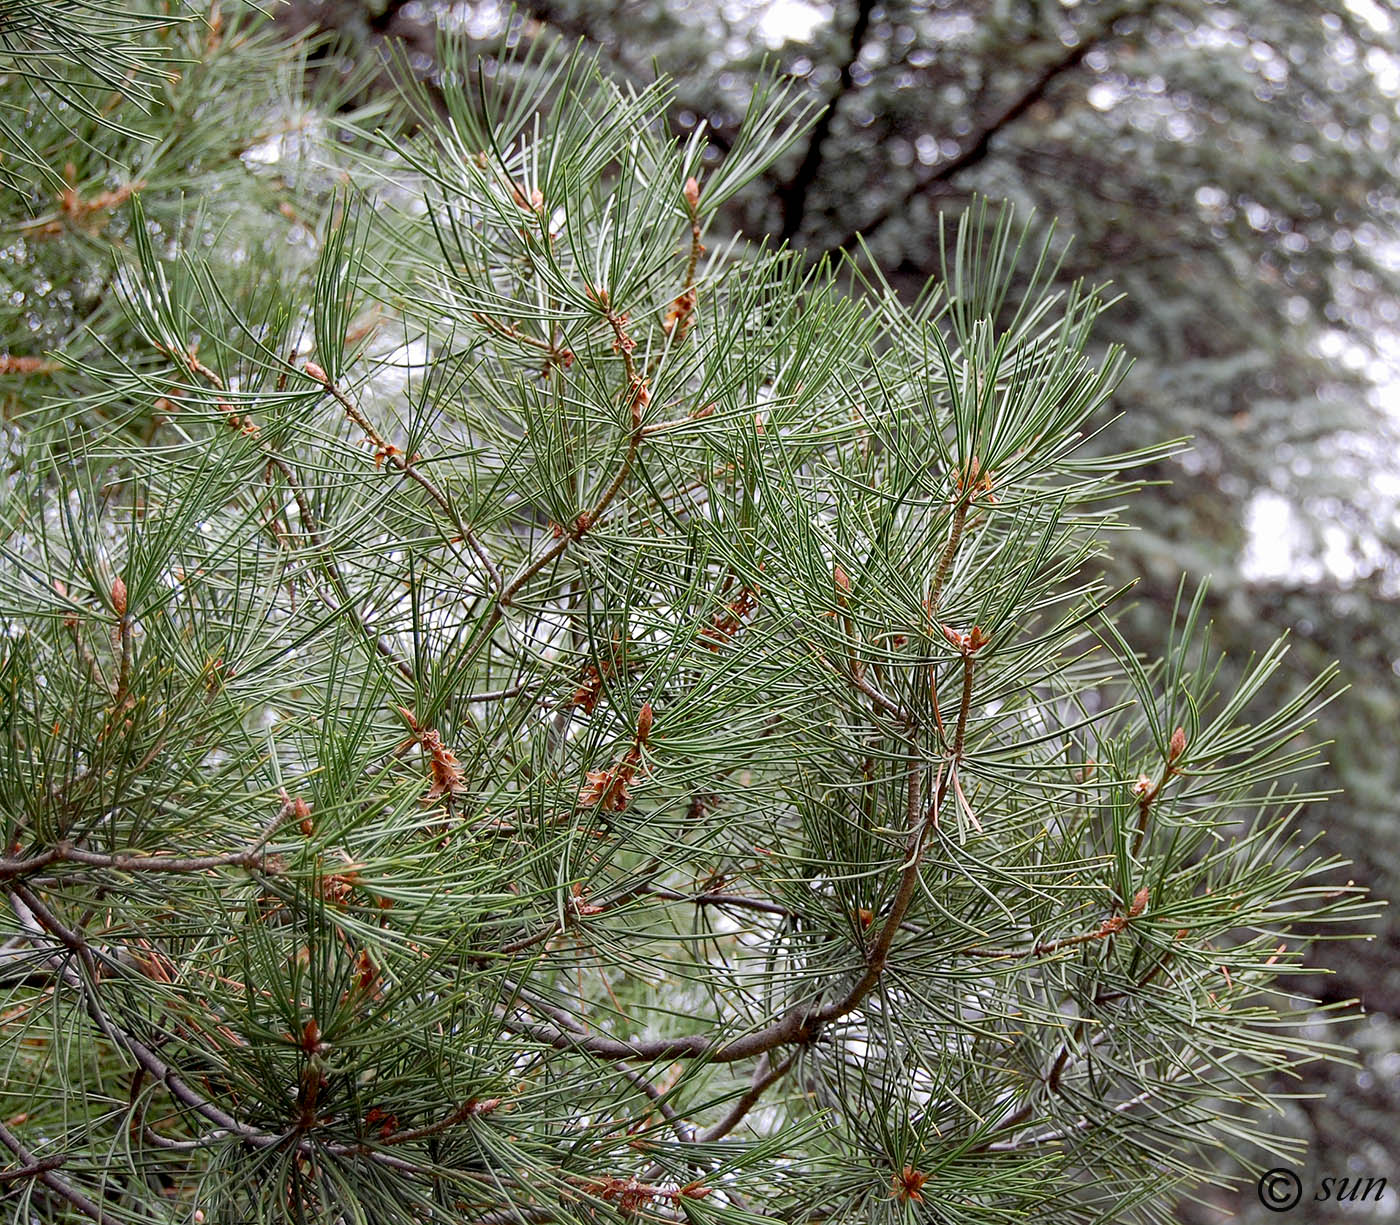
{"points": [[119, 596], [310, 1036], [909, 1185], [535, 201], [301, 810], [1178, 744], [317, 373], [641, 397], [1139, 903], [843, 583], [692, 193], [644, 722]]}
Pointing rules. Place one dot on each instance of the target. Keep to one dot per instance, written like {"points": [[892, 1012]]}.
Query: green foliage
{"points": [[1230, 165], [550, 721], [74, 55]]}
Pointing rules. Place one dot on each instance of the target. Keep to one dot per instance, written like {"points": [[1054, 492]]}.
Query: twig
{"points": [[1054, 1137], [406, 465], [1110, 926], [308, 521], [585, 521], [765, 1074], [65, 852], [44, 1172], [155, 1067]]}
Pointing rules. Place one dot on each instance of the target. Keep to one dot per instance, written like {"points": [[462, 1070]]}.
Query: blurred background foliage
{"points": [[1228, 165]]}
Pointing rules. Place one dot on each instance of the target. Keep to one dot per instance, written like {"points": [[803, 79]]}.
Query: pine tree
{"points": [[537, 711]]}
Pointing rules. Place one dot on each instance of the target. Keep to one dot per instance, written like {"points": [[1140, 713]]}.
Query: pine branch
{"points": [[252, 856], [44, 1172]]}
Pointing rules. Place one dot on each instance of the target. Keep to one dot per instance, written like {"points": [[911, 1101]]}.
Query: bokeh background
{"points": [[1230, 167]]}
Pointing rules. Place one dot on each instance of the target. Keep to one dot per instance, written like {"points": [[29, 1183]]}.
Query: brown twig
{"points": [[637, 391], [389, 453], [1108, 927], [11, 364], [43, 1171], [250, 856]]}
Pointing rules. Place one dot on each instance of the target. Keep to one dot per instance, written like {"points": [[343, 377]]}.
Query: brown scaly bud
{"points": [[692, 193], [339, 887], [1139, 903], [970, 643], [119, 596], [388, 1123], [843, 584], [534, 204], [310, 1036], [679, 312], [641, 397], [366, 973], [446, 771], [1178, 744], [726, 624], [447, 775], [301, 812], [909, 1185], [317, 373], [582, 908], [589, 690], [607, 788], [974, 479]]}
